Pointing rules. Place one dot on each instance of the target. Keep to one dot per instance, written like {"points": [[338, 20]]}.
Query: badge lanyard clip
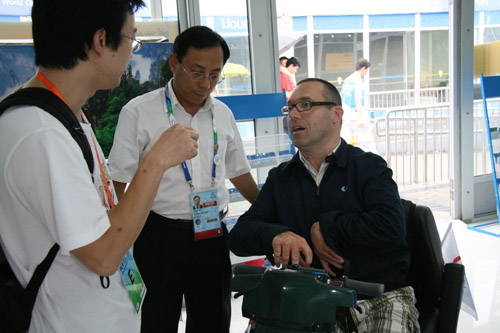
{"points": [[216, 159]]}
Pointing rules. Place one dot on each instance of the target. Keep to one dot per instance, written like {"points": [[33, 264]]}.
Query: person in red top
{"points": [[287, 77]]}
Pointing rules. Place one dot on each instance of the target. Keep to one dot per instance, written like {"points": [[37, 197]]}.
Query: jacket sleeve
{"points": [[255, 230], [378, 223]]}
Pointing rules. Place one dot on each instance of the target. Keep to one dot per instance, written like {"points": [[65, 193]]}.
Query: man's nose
{"points": [[293, 112], [205, 83]]}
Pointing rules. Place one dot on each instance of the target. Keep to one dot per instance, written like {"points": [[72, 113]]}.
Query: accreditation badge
{"points": [[132, 280], [206, 222]]}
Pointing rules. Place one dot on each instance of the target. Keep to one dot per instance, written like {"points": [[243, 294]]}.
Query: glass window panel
{"points": [[229, 19], [300, 52], [434, 59], [491, 34], [392, 58], [483, 34], [169, 10], [144, 14], [292, 40], [336, 55]]}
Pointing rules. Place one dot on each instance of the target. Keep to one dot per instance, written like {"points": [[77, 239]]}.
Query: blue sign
{"points": [[16, 7], [226, 24]]}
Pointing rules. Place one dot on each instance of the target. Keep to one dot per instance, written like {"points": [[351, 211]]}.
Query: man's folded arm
{"points": [[381, 224]]}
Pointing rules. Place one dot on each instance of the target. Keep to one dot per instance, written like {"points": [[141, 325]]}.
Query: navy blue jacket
{"points": [[357, 205]]}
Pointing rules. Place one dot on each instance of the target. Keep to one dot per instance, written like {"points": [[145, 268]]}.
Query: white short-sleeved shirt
{"points": [[353, 89], [47, 196], [143, 120]]}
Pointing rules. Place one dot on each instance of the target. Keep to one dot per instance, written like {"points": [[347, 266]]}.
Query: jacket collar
{"points": [[339, 158]]}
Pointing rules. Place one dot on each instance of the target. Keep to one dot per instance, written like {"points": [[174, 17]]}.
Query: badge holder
{"points": [[206, 221], [132, 280]]}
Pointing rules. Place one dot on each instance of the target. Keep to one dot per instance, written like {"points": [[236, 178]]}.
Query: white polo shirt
{"points": [[143, 120], [47, 196]]}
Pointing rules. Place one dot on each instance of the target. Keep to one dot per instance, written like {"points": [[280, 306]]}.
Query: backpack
{"points": [[16, 302]]}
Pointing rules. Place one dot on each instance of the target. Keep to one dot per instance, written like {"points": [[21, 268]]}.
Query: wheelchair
{"points": [[297, 299]]}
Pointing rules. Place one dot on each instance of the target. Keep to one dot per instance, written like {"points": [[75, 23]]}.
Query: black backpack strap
{"points": [[39, 275], [49, 102]]}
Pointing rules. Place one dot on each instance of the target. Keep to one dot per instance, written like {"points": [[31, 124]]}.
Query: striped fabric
{"points": [[394, 311]]}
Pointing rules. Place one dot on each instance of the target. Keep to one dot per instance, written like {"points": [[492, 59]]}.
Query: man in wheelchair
{"points": [[330, 204]]}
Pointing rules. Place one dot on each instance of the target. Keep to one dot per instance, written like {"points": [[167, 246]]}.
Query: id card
{"points": [[206, 222], [132, 280]]}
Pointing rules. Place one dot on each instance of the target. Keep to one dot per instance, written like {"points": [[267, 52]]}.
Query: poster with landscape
{"points": [[148, 70]]}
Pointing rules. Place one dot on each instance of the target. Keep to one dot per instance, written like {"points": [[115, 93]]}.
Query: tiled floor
{"points": [[480, 254]]}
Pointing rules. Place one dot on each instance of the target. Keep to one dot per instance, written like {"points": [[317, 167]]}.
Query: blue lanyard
{"points": [[187, 175]]}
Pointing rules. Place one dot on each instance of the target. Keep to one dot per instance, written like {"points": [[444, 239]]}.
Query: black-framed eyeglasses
{"points": [[200, 76], [136, 44], [303, 106]]}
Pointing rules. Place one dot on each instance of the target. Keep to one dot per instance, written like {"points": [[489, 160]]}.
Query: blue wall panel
{"points": [[349, 22], [300, 23], [434, 20], [392, 21]]}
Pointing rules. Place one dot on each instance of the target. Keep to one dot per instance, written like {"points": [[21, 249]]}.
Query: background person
{"points": [[167, 254], [331, 203], [47, 193], [356, 125], [283, 61], [287, 76]]}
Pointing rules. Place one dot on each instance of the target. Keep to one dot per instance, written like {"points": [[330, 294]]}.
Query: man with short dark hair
{"points": [[48, 192], [287, 75], [176, 255], [356, 126], [330, 204]]}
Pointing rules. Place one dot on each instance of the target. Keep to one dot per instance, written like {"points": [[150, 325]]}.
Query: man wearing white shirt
{"points": [[173, 260], [356, 127], [48, 192]]}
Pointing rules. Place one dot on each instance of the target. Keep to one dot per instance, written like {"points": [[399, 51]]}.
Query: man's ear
{"points": [[336, 114], [99, 41], [172, 61]]}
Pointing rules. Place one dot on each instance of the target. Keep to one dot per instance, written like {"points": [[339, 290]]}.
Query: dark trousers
{"points": [[172, 264]]}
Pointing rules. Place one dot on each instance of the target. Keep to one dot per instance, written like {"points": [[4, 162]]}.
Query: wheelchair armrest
{"points": [[365, 288], [451, 298]]}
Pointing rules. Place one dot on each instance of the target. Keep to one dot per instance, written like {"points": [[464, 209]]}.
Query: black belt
{"points": [[189, 223]]}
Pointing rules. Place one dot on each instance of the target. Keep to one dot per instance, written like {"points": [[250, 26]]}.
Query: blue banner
{"points": [[16, 7], [226, 24]]}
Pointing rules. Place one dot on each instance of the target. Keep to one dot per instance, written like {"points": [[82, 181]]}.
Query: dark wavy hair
{"points": [[63, 29], [199, 37]]}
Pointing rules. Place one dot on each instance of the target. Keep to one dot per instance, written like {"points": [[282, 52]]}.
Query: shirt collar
{"points": [[327, 159], [208, 106]]}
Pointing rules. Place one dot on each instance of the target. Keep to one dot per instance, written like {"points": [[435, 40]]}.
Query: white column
{"points": [[418, 41], [311, 72], [264, 58], [461, 109], [189, 13], [366, 55]]}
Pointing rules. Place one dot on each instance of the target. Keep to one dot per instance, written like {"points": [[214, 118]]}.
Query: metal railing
{"points": [[415, 142], [401, 98]]}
